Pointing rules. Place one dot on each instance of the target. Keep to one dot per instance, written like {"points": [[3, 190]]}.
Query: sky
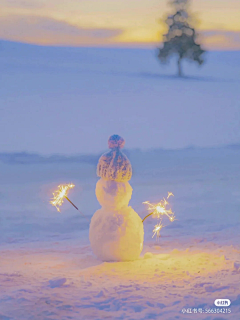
{"points": [[125, 23]]}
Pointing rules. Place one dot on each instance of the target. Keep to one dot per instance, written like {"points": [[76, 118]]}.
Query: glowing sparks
{"points": [[170, 194], [156, 230], [158, 211], [160, 208], [60, 194]]}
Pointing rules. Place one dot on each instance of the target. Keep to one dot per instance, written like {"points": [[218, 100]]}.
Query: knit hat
{"points": [[114, 165]]}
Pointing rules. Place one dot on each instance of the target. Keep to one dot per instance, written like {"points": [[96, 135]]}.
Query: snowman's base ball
{"points": [[116, 235]]}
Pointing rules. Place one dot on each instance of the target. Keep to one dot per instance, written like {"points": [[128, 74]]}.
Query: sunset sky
{"points": [[124, 23]]}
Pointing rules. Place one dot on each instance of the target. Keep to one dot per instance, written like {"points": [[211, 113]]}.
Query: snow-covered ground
{"points": [[47, 269], [69, 101]]}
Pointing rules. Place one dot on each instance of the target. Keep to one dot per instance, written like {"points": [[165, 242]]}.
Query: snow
{"points": [[194, 262], [72, 99], [47, 268]]}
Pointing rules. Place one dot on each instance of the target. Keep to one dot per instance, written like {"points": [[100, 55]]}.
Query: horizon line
{"points": [[143, 150], [132, 45]]}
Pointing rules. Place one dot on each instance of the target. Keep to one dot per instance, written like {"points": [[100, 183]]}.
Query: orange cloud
{"points": [[221, 39], [42, 30]]}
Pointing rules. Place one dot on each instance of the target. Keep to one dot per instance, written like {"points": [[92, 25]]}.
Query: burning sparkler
{"points": [[61, 194], [159, 210]]}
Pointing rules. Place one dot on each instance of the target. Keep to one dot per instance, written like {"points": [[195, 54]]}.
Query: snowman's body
{"points": [[116, 230]]}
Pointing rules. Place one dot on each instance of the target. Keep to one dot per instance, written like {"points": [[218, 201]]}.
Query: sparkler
{"points": [[159, 210], [61, 194]]}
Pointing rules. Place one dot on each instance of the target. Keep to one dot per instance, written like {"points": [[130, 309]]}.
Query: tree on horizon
{"points": [[181, 38]]}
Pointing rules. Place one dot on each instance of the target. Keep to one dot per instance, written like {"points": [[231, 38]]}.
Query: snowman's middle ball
{"points": [[112, 194]]}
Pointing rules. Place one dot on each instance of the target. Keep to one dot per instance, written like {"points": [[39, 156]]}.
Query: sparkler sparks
{"points": [[156, 230], [158, 211], [60, 194]]}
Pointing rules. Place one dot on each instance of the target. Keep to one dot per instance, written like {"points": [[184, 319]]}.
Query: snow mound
{"points": [[56, 283]]}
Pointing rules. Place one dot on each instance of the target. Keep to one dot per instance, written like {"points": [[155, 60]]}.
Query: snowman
{"points": [[116, 230]]}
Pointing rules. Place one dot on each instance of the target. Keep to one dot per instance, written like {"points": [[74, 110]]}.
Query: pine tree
{"points": [[181, 37]]}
